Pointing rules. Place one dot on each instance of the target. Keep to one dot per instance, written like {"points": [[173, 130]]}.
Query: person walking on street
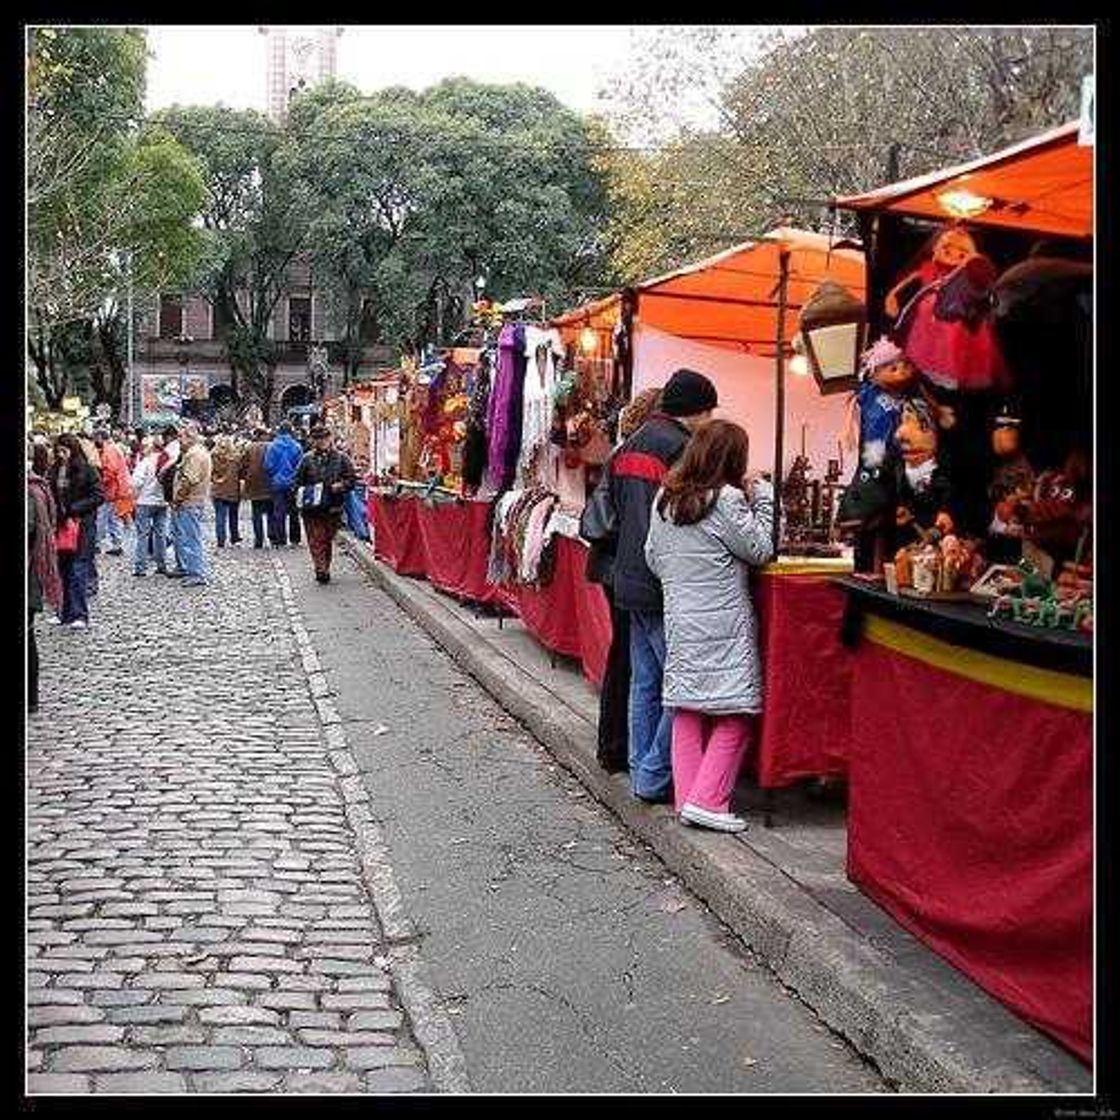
{"points": [[704, 531], [188, 504], [151, 512], [636, 471], [43, 580], [78, 495], [255, 486], [281, 460], [323, 477], [225, 488]]}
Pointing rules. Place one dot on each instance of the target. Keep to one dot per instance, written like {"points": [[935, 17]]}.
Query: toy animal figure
{"points": [[951, 248], [1058, 516], [922, 488]]}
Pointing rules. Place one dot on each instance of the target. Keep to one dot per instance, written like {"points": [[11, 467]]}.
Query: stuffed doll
{"points": [[951, 248], [1058, 516], [887, 378], [946, 330], [1013, 480], [922, 488]]}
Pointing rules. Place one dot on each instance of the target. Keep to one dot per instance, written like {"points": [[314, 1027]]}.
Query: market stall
{"points": [[970, 804]]}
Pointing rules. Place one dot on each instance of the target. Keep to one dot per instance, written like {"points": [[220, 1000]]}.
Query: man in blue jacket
{"points": [[636, 471], [280, 463]]}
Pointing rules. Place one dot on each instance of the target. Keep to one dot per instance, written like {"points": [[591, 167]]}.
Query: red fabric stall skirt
{"points": [[971, 819]]}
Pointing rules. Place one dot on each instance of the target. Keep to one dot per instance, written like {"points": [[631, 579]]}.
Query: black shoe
{"points": [[175, 575], [115, 552], [661, 799], [613, 765], [323, 577]]}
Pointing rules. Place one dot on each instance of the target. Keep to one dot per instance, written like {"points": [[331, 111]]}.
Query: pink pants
{"points": [[707, 754]]}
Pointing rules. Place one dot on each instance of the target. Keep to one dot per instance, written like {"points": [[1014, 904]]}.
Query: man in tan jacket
{"points": [[188, 503]]}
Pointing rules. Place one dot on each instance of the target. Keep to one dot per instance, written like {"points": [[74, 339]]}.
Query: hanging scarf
{"points": [[503, 419], [44, 559]]}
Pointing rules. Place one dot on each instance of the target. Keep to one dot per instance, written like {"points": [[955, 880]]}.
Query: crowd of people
{"points": [[105, 490], [674, 527]]}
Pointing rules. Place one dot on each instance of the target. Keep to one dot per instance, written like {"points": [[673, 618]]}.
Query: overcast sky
{"points": [[205, 65]]}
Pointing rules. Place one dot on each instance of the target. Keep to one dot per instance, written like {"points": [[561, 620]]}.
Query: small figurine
{"points": [[1014, 478], [951, 248], [922, 488], [1058, 515]]}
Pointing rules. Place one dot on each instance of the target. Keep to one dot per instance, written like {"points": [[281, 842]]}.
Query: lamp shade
{"points": [[833, 326]]}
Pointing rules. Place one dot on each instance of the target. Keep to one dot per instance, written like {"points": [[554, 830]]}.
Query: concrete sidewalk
{"points": [[782, 890]]}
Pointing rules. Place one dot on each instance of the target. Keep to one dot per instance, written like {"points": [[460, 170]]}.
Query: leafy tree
{"points": [[102, 196], [256, 221], [805, 115]]}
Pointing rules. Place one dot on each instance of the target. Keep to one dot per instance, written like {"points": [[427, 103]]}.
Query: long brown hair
{"points": [[715, 456]]}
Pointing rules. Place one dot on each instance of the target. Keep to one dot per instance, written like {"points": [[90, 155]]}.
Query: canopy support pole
{"points": [[780, 396]]}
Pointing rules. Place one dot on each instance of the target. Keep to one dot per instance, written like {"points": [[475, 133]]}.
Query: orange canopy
{"points": [[1044, 185], [731, 299], [601, 316]]}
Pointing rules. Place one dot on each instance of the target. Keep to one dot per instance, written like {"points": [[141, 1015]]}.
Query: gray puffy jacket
{"points": [[712, 663]]}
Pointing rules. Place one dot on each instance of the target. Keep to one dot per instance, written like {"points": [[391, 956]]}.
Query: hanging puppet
{"points": [[946, 330], [887, 378], [923, 491], [950, 249]]}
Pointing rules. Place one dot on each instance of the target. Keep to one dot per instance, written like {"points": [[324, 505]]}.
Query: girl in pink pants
{"points": [[709, 525], [707, 756]]}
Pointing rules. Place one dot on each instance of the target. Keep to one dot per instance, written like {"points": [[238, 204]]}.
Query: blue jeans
{"points": [[225, 512], [284, 519], [109, 525], [187, 527], [355, 508], [651, 725], [151, 525], [75, 568], [262, 520]]}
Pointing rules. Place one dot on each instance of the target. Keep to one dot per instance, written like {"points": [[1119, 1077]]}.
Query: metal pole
{"points": [[130, 406], [780, 396]]}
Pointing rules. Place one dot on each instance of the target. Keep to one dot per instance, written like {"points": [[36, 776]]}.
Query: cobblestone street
{"points": [[200, 883]]}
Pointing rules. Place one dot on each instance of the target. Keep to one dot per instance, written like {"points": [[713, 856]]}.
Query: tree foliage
{"points": [[103, 197], [802, 116]]}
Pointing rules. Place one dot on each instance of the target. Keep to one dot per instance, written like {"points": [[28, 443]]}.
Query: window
{"points": [[170, 316], [299, 319]]}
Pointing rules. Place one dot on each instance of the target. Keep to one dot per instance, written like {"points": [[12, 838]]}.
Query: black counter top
{"points": [[967, 624]]}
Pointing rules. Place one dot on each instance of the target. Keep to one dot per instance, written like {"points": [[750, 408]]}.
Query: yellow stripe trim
{"points": [[824, 566], [1066, 690]]}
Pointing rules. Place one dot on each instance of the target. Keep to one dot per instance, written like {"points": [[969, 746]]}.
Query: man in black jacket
{"points": [[636, 471], [329, 469]]}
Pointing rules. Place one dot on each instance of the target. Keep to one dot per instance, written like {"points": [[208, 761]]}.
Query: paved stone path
{"points": [[201, 879]]}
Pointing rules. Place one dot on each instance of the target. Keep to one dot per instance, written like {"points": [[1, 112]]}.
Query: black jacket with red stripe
{"points": [[637, 470]]}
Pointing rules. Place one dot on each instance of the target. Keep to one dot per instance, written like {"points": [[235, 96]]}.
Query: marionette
{"points": [[951, 248], [1057, 518], [1014, 478], [923, 492], [887, 378], [946, 330]]}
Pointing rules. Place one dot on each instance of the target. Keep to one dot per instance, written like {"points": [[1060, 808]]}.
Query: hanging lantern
{"points": [[588, 341], [833, 331]]}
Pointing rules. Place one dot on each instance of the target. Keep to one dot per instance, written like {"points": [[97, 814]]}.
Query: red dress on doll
{"points": [[946, 331]]}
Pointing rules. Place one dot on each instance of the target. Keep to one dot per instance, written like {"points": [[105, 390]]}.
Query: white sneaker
{"points": [[53, 620], [77, 624], [705, 818]]}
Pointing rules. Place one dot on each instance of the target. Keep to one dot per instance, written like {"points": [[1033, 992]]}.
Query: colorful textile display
{"points": [[504, 413], [521, 534]]}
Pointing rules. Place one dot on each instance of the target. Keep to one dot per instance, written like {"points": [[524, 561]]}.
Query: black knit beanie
{"points": [[686, 393]]}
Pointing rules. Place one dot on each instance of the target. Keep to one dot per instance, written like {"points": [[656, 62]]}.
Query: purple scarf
{"points": [[503, 417]]}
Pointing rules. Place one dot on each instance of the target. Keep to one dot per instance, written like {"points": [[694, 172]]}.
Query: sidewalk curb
{"points": [[833, 969]]}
